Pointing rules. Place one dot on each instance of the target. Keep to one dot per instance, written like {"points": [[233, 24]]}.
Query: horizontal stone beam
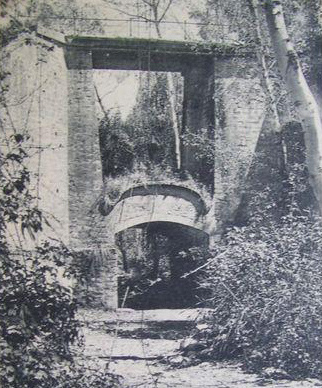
{"points": [[143, 209]]}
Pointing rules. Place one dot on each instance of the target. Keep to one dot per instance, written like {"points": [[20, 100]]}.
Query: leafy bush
{"points": [[265, 287], [37, 318], [37, 306]]}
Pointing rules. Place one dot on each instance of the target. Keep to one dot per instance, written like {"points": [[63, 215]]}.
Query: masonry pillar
{"points": [[102, 284], [84, 162], [198, 114], [87, 227]]}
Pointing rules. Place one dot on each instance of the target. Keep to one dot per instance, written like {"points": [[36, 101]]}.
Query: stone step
{"points": [[152, 330], [153, 324], [104, 346], [130, 315], [127, 334]]}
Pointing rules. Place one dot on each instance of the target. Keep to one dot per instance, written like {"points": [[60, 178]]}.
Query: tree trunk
{"points": [[303, 99], [171, 93], [266, 82]]}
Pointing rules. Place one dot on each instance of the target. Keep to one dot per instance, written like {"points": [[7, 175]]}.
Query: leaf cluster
{"points": [[264, 286], [37, 318]]}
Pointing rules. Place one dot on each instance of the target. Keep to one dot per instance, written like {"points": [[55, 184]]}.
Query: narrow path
{"points": [[144, 347]]}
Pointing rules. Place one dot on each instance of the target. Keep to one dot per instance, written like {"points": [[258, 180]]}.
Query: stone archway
{"points": [[157, 203], [156, 256], [172, 204], [155, 226]]}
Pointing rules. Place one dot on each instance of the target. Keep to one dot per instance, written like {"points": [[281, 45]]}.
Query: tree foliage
{"points": [[146, 135]]}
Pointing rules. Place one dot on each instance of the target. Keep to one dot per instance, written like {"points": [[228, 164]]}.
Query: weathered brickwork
{"points": [[240, 113], [84, 162], [37, 106], [102, 287]]}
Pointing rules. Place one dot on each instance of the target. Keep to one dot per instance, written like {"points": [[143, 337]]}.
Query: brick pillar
{"points": [[105, 280], [101, 289], [84, 162], [198, 113]]}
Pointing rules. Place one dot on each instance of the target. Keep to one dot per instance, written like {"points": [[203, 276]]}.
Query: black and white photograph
{"points": [[161, 193]]}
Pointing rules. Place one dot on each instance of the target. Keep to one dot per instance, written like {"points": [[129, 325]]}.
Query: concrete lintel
{"points": [[187, 49], [151, 45]]}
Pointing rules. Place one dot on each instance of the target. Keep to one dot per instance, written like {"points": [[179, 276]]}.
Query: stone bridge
{"points": [[70, 176], [158, 203], [180, 209]]}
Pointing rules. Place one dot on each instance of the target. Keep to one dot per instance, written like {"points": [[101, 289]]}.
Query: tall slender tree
{"points": [[267, 32], [303, 99]]}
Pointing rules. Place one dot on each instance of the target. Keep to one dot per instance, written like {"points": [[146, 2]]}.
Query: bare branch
{"points": [[100, 101], [131, 15], [208, 262], [148, 3], [165, 10]]}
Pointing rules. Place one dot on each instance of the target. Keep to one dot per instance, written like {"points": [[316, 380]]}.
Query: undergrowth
{"points": [[264, 285], [141, 175]]}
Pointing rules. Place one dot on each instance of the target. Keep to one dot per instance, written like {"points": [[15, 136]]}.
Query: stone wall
{"points": [[239, 116], [37, 105], [54, 105], [100, 286]]}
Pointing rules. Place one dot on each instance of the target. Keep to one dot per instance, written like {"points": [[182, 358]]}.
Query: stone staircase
{"points": [[135, 335], [144, 348]]}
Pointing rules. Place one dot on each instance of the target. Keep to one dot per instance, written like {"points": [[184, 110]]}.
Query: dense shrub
{"points": [[37, 307], [37, 319], [265, 287]]}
